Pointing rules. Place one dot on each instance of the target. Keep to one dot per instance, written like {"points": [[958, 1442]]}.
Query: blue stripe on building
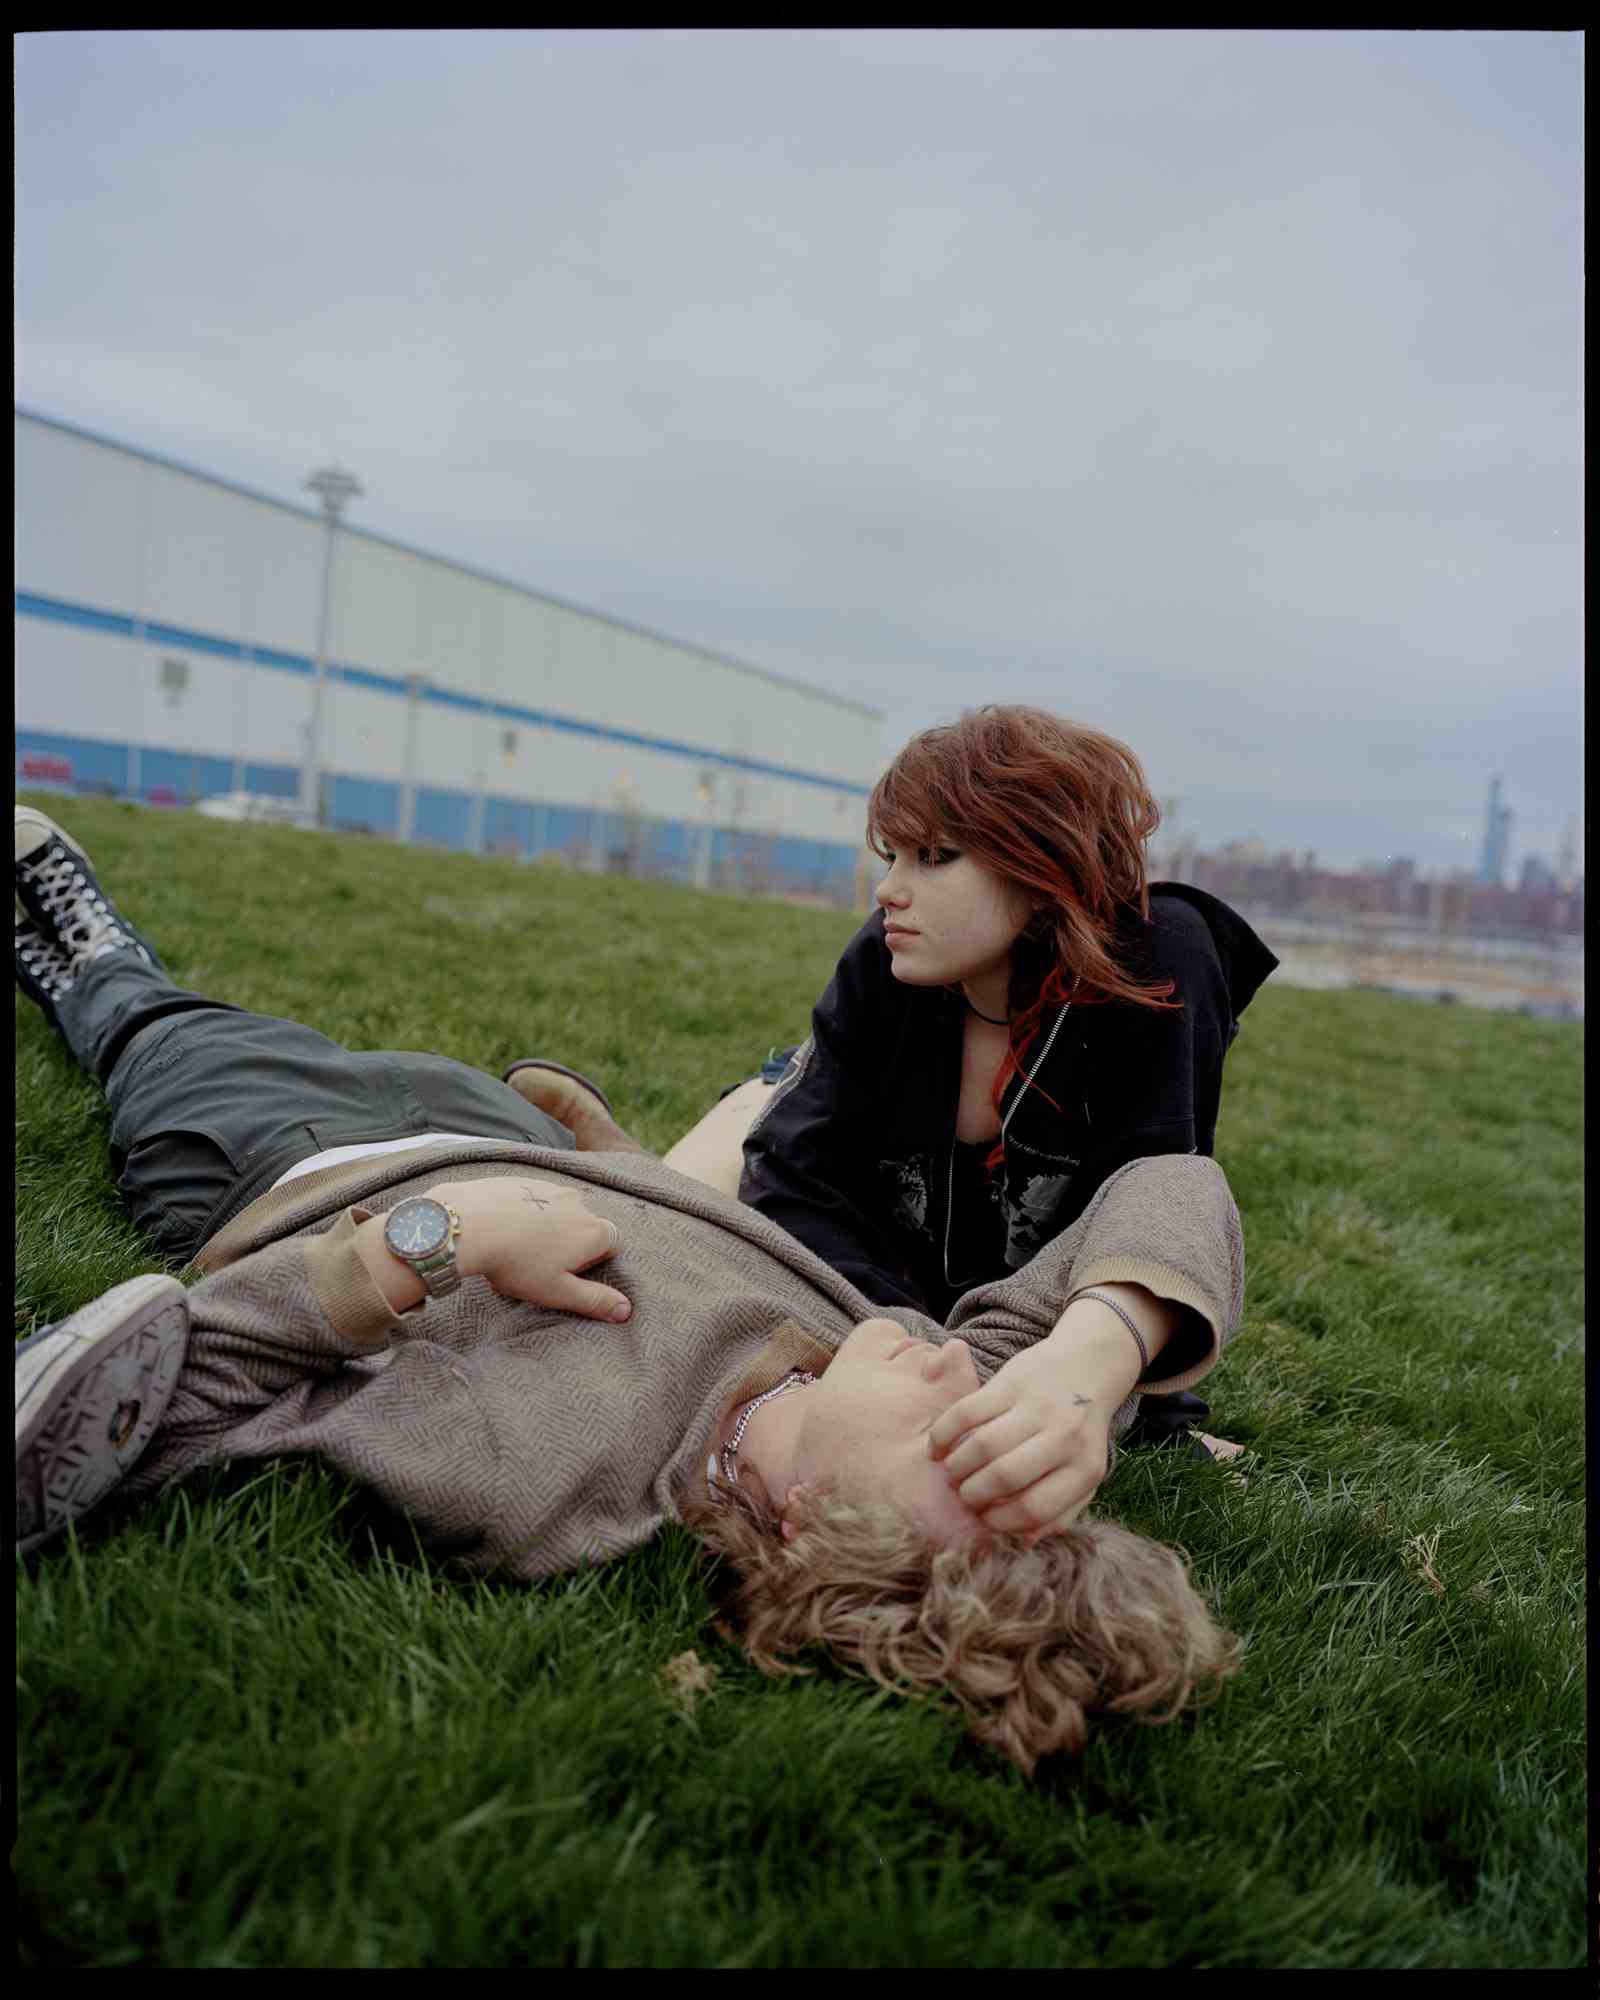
{"points": [[30, 604], [190, 642]]}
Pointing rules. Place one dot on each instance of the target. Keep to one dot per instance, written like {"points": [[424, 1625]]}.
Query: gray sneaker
{"points": [[91, 1391]]}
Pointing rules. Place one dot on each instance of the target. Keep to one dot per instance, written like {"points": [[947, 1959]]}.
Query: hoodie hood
{"points": [[1246, 961]]}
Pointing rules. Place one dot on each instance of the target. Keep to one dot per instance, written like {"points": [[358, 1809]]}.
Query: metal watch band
{"points": [[439, 1271]]}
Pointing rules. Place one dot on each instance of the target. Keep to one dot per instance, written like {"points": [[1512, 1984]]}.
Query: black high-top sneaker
{"points": [[44, 970], [64, 919]]}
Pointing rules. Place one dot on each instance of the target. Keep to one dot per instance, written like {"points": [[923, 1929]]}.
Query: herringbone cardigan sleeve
{"points": [[289, 1317], [1169, 1224], [269, 1372]]}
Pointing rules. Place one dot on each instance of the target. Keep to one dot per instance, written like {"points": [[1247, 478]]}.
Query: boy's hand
{"points": [[530, 1239], [1028, 1449]]}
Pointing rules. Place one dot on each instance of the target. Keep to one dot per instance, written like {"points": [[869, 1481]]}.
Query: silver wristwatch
{"points": [[422, 1232]]}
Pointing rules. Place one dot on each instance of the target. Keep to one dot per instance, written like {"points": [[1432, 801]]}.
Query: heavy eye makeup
{"points": [[930, 857]]}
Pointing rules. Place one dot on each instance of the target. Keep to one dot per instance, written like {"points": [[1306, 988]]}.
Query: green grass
{"points": [[250, 1735]]}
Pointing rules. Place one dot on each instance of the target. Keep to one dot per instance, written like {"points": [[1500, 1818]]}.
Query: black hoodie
{"points": [[855, 1151]]}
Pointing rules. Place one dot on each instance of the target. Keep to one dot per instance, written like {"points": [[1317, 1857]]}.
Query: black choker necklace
{"points": [[1002, 1022]]}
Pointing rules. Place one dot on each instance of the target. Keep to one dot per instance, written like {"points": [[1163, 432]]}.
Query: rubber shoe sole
{"points": [[90, 1394]]}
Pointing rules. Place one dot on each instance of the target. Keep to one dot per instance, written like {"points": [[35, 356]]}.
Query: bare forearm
{"points": [[1092, 1332], [399, 1284]]}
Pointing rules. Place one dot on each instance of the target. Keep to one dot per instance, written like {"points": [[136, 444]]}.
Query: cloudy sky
{"points": [[1219, 389]]}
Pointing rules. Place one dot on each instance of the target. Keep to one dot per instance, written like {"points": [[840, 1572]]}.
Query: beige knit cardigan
{"points": [[524, 1442]]}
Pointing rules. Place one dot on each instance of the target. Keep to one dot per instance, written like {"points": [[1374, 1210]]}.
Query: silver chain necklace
{"points": [[795, 1379]]}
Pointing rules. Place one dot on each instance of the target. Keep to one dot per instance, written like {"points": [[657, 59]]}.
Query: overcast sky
{"points": [[1219, 389]]}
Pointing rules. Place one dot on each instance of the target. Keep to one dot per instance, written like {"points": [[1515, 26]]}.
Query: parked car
{"points": [[254, 805]]}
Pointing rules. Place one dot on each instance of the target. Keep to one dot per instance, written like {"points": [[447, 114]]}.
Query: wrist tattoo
{"points": [[1081, 1401]]}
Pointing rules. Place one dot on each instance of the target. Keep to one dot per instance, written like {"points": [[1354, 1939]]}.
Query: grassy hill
{"points": [[245, 1739]]}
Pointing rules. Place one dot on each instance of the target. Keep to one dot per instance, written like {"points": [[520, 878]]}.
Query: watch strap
{"points": [[440, 1272]]}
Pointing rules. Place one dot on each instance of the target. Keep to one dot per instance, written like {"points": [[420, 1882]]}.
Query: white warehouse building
{"points": [[166, 632]]}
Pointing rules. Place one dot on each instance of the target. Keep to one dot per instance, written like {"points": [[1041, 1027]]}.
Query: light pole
{"points": [[407, 819], [706, 792], [333, 488]]}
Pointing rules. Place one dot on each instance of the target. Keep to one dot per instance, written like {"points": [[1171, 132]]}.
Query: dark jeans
{"points": [[210, 1104]]}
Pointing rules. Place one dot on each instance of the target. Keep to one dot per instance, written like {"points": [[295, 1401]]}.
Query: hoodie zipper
{"points": [[1032, 1073]]}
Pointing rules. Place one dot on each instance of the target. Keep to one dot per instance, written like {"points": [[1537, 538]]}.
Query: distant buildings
{"points": [[1543, 901], [1536, 874], [1567, 863], [1496, 840], [169, 647], [1391, 894]]}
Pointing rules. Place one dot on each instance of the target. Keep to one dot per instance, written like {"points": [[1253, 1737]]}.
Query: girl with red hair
{"points": [[1021, 1016]]}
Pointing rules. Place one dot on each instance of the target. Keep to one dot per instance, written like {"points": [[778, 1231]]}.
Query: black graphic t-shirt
{"points": [[977, 1219]]}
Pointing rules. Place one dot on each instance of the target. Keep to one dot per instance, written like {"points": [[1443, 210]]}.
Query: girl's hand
{"points": [[530, 1239], [1027, 1450]]}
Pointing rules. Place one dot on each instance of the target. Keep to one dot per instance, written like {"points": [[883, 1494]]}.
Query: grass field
{"points": [[245, 1738]]}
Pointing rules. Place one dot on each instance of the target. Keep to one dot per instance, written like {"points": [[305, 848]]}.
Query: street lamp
{"points": [[333, 488]]}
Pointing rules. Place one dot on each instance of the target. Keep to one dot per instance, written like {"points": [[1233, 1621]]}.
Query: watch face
{"points": [[417, 1226]]}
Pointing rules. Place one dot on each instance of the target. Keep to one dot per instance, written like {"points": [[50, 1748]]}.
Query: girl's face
{"points": [[947, 918]]}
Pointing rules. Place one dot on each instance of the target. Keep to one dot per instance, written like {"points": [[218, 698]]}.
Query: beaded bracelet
{"points": [[1127, 1320]]}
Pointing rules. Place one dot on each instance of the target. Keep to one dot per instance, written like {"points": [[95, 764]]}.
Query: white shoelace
{"points": [[85, 925], [84, 922], [48, 966]]}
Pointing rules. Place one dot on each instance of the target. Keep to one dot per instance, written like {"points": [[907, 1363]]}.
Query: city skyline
{"points": [[1565, 871], [1561, 864]]}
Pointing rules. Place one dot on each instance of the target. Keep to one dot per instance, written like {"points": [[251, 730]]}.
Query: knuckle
{"points": [[968, 1457]]}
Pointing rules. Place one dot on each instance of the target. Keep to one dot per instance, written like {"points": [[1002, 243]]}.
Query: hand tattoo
{"points": [[533, 1195]]}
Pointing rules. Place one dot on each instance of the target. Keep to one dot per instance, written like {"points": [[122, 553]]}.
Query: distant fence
{"points": [[614, 839]]}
